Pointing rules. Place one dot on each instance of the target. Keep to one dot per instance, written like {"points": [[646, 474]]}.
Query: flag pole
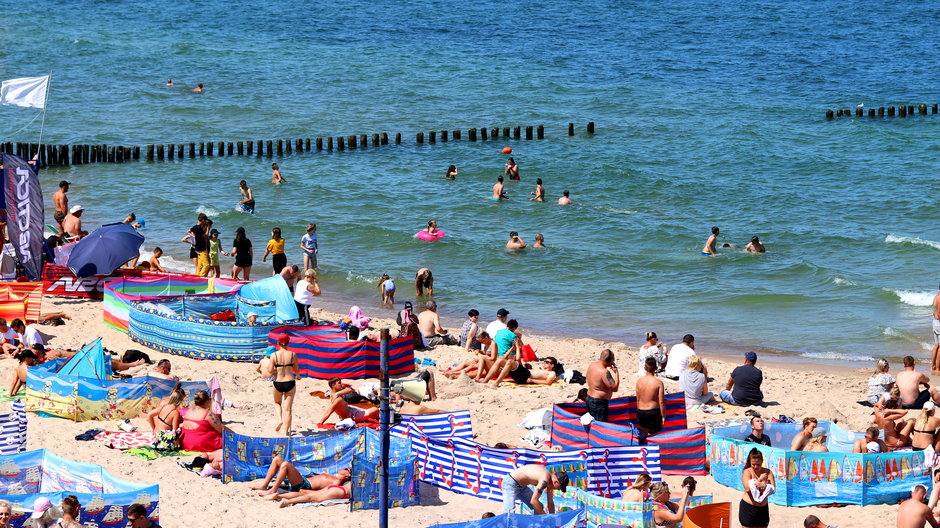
{"points": [[44, 103]]}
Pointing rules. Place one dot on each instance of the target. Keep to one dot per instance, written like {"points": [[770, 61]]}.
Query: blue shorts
{"points": [[512, 490], [304, 485], [704, 254]]}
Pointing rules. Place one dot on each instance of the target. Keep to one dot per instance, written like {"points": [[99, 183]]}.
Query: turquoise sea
{"points": [[708, 113]]}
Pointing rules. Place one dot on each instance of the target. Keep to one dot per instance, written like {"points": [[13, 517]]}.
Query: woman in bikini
{"points": [[167, 417], [286, 374], [27, 359], [759, 485], [639, 490], [338, 491], [925, 428], [674, 513], [887, 418]]}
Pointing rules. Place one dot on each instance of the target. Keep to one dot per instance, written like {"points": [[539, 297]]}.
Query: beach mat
{"points": [[6, 398], [149, 453], [330, 502]]}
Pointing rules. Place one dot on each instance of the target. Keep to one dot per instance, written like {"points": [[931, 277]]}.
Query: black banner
{"points": [[24, 212]]}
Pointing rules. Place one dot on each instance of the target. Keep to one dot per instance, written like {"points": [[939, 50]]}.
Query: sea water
{"points": [[707, 113]]}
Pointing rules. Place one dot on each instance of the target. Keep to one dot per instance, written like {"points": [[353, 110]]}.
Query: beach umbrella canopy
{"points": [[104, 250]]}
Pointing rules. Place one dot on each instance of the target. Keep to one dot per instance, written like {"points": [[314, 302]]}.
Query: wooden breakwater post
{"points": [[899, 111]]}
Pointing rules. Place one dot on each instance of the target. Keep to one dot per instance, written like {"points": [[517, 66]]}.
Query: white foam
{"points": [[168, 262], [835, 356], [894, 239], [843, 282], [914, 298], [208, 211]]}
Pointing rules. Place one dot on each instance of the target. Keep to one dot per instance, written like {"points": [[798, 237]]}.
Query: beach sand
{"points": [[187, 499]]}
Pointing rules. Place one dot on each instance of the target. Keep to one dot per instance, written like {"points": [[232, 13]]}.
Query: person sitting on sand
{"points": [[27, 359], [8, 338], [880, 382], [137, 514], [744, 384], [73, 223], [694, 384], [201, 429], [678, 358], [888, 417], [342, 409], [286, 476], [755, 246], [27, 335], [477, 366], [909, 381], [71, 509], [429, 323], [162, 370], [803, 437], [672, 515], [515, 241], [639, 490], [155, 260], [565, 198], [469, 331], [862, 445], [913, 513], [334, 492], [925, 428], [516, 487], [757, 435], [818, 442], [167, 417]]}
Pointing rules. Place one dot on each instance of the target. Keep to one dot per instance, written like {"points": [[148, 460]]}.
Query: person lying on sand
{"points": [[286, 476], [477, 366], [342, 409], [334, 492]]}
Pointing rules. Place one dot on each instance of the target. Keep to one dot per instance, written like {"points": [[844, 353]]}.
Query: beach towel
{"points": [[4, 397], [330, 502], [125, 440], [149, 453]]}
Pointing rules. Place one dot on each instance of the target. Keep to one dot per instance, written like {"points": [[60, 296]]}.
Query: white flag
{"points": [[26, 91]]}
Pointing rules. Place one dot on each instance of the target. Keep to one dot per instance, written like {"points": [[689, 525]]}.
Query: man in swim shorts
{"points": [[565, 198], [516, 486], [709, 249], [286, 476], [935, 323], [603, 380], [248, 199], [650, 392], [338, 404], [498, 193], [429, 323], [909, 381]]}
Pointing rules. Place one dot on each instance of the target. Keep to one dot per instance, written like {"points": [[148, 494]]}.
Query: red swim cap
{"points": [[283, 340]]}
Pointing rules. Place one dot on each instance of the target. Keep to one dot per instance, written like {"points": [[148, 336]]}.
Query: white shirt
{"points": [[302, 294], [678, 359], [494, 327], [9, 335], [30, 337]]}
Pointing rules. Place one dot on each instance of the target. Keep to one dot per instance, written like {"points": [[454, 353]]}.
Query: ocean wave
{"points": [[168, 262], [829, 356], [843, 282], [894, 239], [905, 336], [913, 298], [208, 211]]}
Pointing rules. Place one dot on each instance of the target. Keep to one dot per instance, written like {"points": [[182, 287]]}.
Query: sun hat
{"points": [[76, 208]]}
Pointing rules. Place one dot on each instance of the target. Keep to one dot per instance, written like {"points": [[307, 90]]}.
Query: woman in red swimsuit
{"points": [[201, 428]]}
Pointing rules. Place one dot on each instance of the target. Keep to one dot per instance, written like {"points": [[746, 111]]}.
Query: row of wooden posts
{"points": [[83, 154], [902, 111]]}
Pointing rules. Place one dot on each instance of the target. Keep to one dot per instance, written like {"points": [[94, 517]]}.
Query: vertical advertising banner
{"points": [[24, 212]]}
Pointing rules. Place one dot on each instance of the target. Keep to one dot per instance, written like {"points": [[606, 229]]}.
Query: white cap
{"points": [[873, 447], [929, 406], [76, 208]]}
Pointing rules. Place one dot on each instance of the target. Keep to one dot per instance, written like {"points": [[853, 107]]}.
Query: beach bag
{"points": [[528, 355], [408, 322]]}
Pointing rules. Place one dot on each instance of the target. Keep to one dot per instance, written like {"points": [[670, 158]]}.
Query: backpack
{"points": [[408, 325]]}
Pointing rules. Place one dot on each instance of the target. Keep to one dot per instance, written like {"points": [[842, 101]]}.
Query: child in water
{"points": [[387, 287], [276, 177], [214, 269], [308, 243], [247, 203]]}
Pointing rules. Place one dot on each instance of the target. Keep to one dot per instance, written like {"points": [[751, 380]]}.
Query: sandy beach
{"points": [[186, 498]]}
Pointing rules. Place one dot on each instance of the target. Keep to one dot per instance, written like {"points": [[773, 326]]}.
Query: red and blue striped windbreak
{"points": [[323, 352], [684, 454]]}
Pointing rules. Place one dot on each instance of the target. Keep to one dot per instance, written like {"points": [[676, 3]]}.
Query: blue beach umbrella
{"points": [[104, 250]]}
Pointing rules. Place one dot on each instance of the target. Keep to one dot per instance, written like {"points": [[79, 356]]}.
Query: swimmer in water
{"points": [[709, 249], [248, 200], [539, 194], [539, 241], [755, 246], [514, 241], [169, 82], [565, 199], [498, 193], [276, 177], [451, 173], [511, 170], [432, 227], [198, 88]]}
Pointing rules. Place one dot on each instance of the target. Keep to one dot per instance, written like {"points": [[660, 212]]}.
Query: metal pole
{"points": [[384, 419]]}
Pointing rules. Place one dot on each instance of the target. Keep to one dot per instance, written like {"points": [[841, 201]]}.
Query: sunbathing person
{"points": [[803, 437], [888, 418], [407, 406], [477, 366], [286, 476], [333, 492], [201, 430], [818, 442], [863, 445], [167, 416], [343, 409], [27, 359], [925, 427]]}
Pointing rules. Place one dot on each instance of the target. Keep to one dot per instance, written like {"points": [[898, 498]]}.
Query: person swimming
{"points": [[709, 250], [755, 246], [451, 173], [538, 194], [515, 242], [169, 82], [539, 241], [198, 88], [498, 192]]}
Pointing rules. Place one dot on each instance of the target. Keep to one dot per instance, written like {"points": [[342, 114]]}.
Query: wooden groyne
{"points": [[901, 111], [84, 153]]}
